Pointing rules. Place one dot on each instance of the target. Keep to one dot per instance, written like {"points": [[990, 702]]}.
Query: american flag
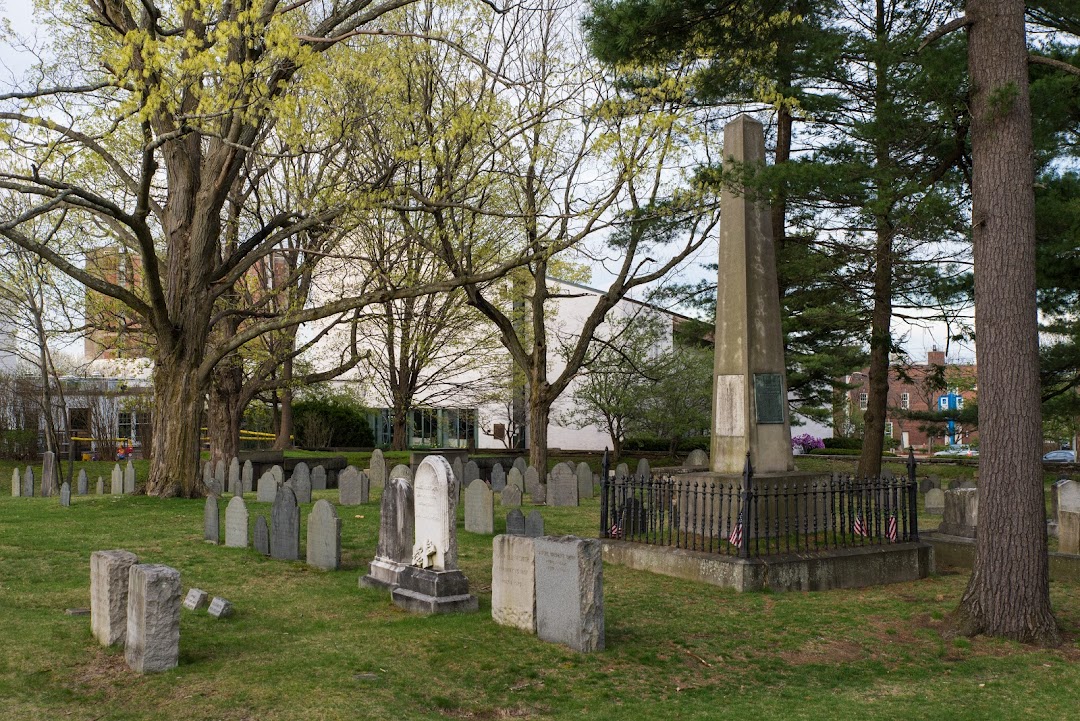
{"points": [[859, 528], [890, 529], [735, 537], [616, 531]]}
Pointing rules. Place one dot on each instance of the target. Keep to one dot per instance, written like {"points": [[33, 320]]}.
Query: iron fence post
{"points": [[744, 512], [913, 498], [605, 527]]}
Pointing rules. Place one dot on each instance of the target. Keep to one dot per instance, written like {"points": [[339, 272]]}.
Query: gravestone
{"points": [[515, 522], [285, 526], [570, 592], [536, 490], [219, 474], [584, 480], [324, 536], [129, 478], [247, 477], [534, 524], [278, 473], [643, 470], [934, 503], [962, 484], [513, 582], [236, 485], [65, 494], [521, 465], [16, 484], [220, 608], [622, 472], [238, 488], [48, 474], [928, 483], [109, 572], [433, 584], [28, 482], [301, 486], [117, 487], [211, 520], [153, 618], [961, 516], [401, 471], [498, 478], [396, 533], [515, 478], [1068, 516], [303, 471], [377, 466], [470, 473], [81, 483], [510, 497], [353, 487], [195, 599], [697, 459], [479, 508], [563, 488], [208, 474], [236, 522], [318, 478], [268, 487], [100, 486], [262, 535]]}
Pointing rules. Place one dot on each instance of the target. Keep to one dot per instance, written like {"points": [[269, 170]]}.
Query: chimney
{"points": [[935, 357]]}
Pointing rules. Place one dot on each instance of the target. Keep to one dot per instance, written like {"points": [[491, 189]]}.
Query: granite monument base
{"points": [[427, 591]]}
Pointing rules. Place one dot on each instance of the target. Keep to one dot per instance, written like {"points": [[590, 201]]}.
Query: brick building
{"points": [[916, 387]]}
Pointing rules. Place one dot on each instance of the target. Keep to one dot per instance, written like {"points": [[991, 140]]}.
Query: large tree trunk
{"points": [[1009, 592], [285, 418], [539, 415], [178, 402], [880, 345], [399, 440], [224, 409]]}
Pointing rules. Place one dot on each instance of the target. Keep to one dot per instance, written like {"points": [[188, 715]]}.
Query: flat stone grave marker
{"points": [[498, 478], [236, 523], [100, 486], [153, 619], [318, 478], [377, 466], [515, 522], [515, 478], [28, 482], [268, 487], [211, 520], [285, 526], [510, 497], [353, 487], [247, 477], [534, 524], [584, 480], [48, 474], [220, 608], [570, 592], [470, 473], [16, 484], [513, 582], [934, 503], [195, 599], [81, 483], [643, 470], [236, 485], [563, 488], [109, 572], [324, 536], [537, 491], [65, 494], [401, 471], [396, 534], [262, 535], [479, 508], [696, 459], [521, 465]]}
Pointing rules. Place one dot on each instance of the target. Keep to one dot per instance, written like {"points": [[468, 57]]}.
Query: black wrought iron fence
{"points": [[760, 517]]}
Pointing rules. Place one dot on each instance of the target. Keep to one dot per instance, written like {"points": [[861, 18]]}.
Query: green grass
{"points": [[306, 644]]}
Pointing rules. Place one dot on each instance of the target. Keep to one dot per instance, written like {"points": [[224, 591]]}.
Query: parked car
{"points": [[961, 451], [1060, 457]]}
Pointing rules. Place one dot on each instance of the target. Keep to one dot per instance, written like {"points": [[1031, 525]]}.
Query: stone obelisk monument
{"points": [[750, 410]]}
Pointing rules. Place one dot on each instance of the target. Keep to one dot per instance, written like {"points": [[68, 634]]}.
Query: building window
{"points": [[905, 401], [863, 399], [888, 429], [959, 403]]}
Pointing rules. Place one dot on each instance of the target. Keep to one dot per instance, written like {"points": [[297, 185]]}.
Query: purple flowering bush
{"points": [[806, 442]]}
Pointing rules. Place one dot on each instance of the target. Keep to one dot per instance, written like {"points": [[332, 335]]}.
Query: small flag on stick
{"points": [[890, 530], [859, 528], [735, 537], [616, 531]]}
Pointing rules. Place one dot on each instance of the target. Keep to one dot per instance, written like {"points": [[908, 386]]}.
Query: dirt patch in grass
{"points": [[823, 650]]}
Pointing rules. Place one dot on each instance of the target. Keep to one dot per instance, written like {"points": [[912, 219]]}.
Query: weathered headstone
{"points": [[1068, 516], [247, 477], [510, 497], [211, 520], [81, 483], [513, 582], [301, 486], [434, 584], [928, 483], [100, 486], [109, 594], [470, 473], [534, 524], [220, 608], [622, 472], [515, 478], [961, 516], [153, 618], [563, 488], [195, 599], [219, 473], [584, 480], [262, 535], [236, 522], [117, 485], [324, 536], [401, 471], [278, 473], [302, 471], [934, 503], [318, 478], [285, 526], [208, 474], [236, 485], [353, 487], [129, 478], [48, 474], [28, 482], [570, 592], [498, 478], [268, 488], [520, 464], [479, 508], [16, 484], [396, 534], [65, 494], [643, 470], [515, 522], [377, 465], [696, 459], [459, 472], [537, 491]]}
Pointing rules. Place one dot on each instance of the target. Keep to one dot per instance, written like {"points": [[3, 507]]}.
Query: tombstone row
{"points": [[24, 484]]}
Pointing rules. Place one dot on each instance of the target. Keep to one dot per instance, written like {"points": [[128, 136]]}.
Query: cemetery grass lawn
{"points": [[307, 644]]}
